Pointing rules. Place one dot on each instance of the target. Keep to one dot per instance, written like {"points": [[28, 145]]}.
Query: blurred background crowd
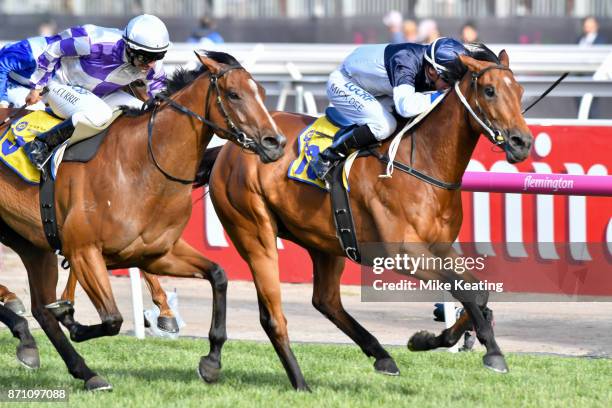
{"points": [[331, 21], [291, 46]]}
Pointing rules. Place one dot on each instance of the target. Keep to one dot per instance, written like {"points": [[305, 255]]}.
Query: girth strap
{"points": [[343, 217], [47, 207]]}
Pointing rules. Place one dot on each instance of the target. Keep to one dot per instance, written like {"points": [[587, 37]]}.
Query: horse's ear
{"points": [[503, 58], [213, 66], [472, 64]]}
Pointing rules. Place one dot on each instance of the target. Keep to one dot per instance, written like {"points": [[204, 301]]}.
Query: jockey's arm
{"points": [[156, 80], [410, 103], [73, 42], [12, 58]]}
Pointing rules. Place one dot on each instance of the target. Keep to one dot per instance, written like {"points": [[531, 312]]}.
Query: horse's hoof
{"points": [[16, 306], [303, 388], [495, 362], [386, 366], [209, 370], [422, 341], [28, 357], [97, 383], [167, 324]]}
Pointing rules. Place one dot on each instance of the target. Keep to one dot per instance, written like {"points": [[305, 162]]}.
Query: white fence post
{"points": [[139, 329]]}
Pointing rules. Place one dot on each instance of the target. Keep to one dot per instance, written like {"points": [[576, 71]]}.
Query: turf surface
{"points": [[162, 373]]}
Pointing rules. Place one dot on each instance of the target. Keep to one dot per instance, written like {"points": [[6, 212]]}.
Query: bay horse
{"points": [[128, 206], [256, 204]]}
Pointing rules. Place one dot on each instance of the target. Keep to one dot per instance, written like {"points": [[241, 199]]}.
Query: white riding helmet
{"points": [[147, 33]]}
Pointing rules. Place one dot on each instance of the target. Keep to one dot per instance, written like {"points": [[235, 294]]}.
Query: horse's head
{"points": [[494, 102], [238, 108]]}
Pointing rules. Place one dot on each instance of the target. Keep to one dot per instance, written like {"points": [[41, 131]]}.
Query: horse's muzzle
{"points": [[518, 145], [272, 147]]}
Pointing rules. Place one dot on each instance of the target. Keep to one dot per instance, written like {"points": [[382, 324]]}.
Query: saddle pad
{"points": [[313, 139], [81, 147], [19, 133]]}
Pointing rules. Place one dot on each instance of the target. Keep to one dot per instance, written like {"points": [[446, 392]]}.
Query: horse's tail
{"points": [[208, 161]]}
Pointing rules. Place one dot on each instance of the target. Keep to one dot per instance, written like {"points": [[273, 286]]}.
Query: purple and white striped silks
{"points": [[94, 58]]}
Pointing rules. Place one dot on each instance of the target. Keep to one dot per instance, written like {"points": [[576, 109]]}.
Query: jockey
{"points": [[17, 64], [83, 69], [374, 79]]}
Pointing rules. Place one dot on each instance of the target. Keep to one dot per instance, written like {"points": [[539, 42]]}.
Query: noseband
{"points": [[494, 135], [236, 135]]}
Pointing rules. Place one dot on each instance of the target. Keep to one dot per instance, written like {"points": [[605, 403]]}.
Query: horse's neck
{"points": [[179, 139], [445, 141]]}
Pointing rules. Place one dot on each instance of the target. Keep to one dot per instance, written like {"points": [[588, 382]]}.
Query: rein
{"points": [[238, 136], [494, 135]]}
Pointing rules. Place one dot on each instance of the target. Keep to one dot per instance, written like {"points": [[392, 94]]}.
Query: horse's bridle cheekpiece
{"points": [[233, 131], [495, 135]]}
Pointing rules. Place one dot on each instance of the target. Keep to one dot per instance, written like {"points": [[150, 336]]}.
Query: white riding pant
{"points": [[361, 107], [83, 106]]}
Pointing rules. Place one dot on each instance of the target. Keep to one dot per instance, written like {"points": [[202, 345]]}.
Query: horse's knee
{"points": [[112, 324], [320, 305], [327, 306]]}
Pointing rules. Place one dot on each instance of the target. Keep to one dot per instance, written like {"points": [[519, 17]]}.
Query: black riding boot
{"points": [[39, 150], [353, 139]]}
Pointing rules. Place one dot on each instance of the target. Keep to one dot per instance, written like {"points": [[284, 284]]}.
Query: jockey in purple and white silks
{"points": [[376, 79], [84, 69]]}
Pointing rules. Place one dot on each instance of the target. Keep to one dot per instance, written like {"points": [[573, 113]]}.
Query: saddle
{"points": [[81, 147], [313, 140]]}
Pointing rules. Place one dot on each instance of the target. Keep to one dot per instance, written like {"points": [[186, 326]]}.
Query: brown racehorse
{"points": [[129, 205], [257, 203]]}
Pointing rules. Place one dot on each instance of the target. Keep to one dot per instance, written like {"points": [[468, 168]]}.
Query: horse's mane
{"points": [[481, 52], [182, 77]]}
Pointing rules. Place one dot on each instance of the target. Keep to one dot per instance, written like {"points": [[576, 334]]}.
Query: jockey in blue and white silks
{"points": [[17, 64], [84, 68], [376, 79]]}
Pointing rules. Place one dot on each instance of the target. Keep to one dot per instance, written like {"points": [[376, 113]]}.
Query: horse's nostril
{"points": [[517, 141], [274, 142], [270, 142]]}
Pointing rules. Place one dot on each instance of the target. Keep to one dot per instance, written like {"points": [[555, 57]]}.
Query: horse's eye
{"points": [[489, 92], [233, 96]]}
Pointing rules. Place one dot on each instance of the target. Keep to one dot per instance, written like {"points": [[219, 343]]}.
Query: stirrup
{"points": [[322, 167]]}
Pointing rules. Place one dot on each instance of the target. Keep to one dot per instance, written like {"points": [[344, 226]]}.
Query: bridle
{"points": [[494, 135], [235, 134]]}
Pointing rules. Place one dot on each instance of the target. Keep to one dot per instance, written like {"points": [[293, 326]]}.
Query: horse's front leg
{"points": [[184, 261], [474, 303], [87, 266], [166, 320]]}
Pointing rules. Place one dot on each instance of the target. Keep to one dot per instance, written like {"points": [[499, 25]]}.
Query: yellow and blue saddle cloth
{"points": [[314, 139], [20, 132]]}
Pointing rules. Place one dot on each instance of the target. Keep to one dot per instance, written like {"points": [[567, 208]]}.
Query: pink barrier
{"points": [[537, 183]]}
